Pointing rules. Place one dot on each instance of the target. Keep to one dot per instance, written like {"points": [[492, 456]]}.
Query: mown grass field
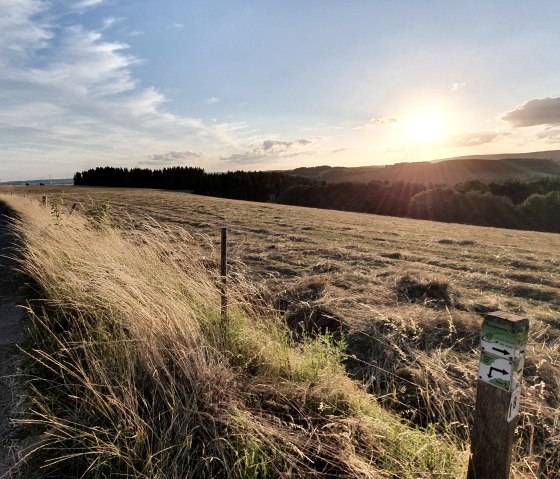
{"points": [[406, 296]]}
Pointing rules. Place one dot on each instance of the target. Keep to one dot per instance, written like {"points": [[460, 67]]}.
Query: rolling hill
{"points": [[447, 171]]}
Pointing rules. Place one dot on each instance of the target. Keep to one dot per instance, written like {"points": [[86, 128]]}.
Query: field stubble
{"points": [[408, 297]]}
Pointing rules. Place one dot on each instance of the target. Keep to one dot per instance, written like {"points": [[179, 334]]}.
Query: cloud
{"points": [[551, 135], [171, 158], [386, 121], [276, 144], [68, 94], [178, 25], [82, 5], [474, 138], [211, 100], [458, 86], [108, 22], [21, 36], [539, 111], [270, 150]]}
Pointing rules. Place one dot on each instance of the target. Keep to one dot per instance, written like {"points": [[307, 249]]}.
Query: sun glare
{"points": [[426, 126]]}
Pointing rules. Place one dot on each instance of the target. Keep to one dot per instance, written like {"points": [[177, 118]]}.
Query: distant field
{"points": [[407, 295]]}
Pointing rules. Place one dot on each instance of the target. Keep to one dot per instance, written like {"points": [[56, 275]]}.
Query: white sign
{"points": [[497, 349], [495, 370], [514, 403]]}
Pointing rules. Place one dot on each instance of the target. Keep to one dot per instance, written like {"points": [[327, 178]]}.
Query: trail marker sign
{"points": [[502, 345], [502, 357]]}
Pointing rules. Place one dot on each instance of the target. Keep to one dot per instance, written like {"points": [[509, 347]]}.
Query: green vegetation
{"points": [[131, 371], [513, 204]]}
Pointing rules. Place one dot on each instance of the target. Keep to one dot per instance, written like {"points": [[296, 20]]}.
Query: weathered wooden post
{"points": [[223, 274], [44, 200], [503, 343]]}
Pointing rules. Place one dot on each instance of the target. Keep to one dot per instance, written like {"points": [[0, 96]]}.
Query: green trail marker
{"points": [[503, 343]]}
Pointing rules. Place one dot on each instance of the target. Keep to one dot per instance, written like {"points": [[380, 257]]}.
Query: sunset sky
{"points": [[226, 84]]}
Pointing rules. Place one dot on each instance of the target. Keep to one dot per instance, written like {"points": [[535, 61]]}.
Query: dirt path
{"points": [[11, 332]]}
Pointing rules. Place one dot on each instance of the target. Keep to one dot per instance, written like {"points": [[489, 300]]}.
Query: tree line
{"points": [[531, 205], [239, 185]]}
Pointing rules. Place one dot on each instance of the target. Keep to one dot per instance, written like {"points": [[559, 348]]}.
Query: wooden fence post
{"points": [[223, 274], [503, 343], [44, 200]]}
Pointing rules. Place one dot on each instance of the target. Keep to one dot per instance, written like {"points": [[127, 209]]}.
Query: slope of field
{"points": [[541, 155], [448, 172], [408, 297]]}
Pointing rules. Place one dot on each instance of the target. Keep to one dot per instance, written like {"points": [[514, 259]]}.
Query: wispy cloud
{"points": [[539, 111], [109, 22], [81, 5], [387, 121], [171, 158], [67, 93], [474, 138], [551, 135], [21, 35], [384, 121], [278, 145], [211, 100], [274, 150], [458, 86]]}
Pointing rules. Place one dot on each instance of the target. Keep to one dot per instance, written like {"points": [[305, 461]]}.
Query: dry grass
{"points": [[134, 374], [419, 355]]}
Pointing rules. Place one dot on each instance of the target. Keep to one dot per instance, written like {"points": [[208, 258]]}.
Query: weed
{"points": [[98, 214], [56, 207]]}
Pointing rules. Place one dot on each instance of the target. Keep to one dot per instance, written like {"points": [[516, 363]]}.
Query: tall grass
{"points": [[134, 374]]}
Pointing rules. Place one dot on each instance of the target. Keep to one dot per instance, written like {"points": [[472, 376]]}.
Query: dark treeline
{"points": [[248, 185], [240, 185], [533, 205], [176, 178]]}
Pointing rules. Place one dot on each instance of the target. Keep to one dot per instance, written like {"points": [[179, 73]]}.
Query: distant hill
{"points": [[57, 181], [540, 155], [447, 171]]}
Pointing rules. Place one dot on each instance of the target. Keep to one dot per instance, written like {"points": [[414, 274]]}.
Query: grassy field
{"points": [[407, 297]]}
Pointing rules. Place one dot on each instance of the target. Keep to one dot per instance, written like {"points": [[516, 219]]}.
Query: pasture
{"points": [[407, 297]]}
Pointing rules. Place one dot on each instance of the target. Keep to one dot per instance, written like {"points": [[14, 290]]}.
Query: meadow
{"points": [[401, 302]]}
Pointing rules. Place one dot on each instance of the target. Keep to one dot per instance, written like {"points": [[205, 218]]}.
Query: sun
{"points": [[426, 126]]}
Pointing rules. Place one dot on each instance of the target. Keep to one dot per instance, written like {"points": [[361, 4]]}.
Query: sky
{"points": [[261, 85]]}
